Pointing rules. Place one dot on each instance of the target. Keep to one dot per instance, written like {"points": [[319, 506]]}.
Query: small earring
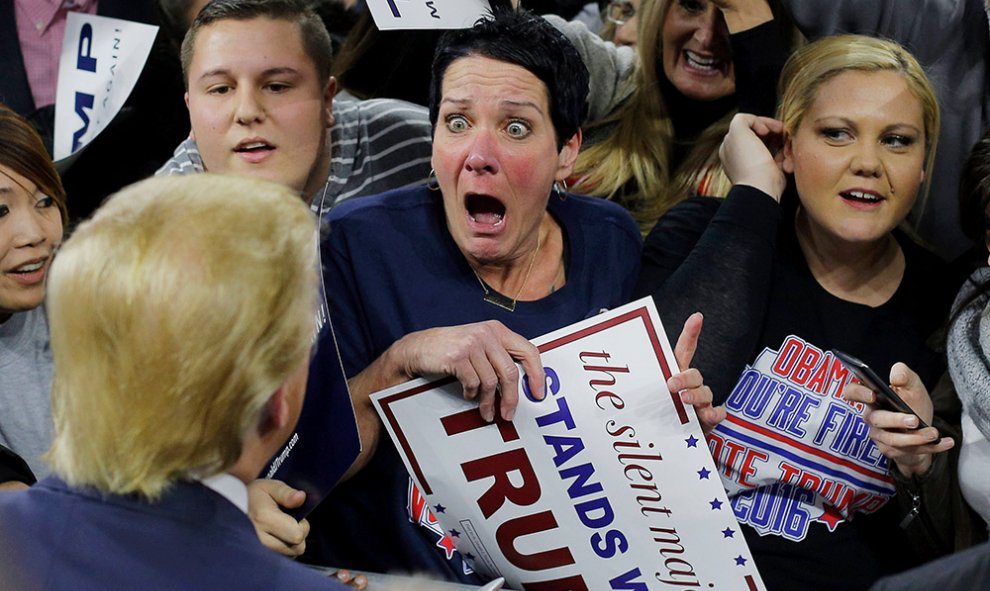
{"points": [[559, 190], [431, 181]]}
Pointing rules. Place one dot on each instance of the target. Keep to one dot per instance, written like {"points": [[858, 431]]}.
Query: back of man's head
{"points": [[176, 312], [312, 31]]}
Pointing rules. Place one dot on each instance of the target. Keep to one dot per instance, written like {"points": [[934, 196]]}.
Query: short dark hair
{"points": [[529, 41], [315, 39], [22, 151]]}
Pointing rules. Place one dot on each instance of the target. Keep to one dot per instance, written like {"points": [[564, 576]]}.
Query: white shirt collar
{"points": [[230, 488]]}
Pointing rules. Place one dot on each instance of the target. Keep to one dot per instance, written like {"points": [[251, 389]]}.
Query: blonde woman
{"points": [[804, 257], [950, 38], [654, 128]]}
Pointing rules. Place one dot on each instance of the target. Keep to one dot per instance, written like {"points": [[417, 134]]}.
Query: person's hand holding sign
{"points": [[689, 383]]}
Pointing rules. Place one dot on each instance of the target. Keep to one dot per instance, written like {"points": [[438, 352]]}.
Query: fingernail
{"points": [[911, 422], [507, 415], [487, 415]]}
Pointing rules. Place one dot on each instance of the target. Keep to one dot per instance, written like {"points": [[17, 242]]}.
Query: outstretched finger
{"points": [[687, 342]]}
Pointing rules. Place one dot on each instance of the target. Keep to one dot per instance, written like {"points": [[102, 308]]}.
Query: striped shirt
{"points": [[375, 145]]}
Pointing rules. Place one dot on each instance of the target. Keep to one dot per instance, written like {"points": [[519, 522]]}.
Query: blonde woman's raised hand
{"points": [[749, 153]]}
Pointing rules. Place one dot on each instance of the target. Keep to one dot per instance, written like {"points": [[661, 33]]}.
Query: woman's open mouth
{"points": [[30, 273], [862, 199], [703, 64], [484, 212]]}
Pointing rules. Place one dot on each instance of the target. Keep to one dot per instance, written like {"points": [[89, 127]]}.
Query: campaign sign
{"points": [[326, 441], [101, 61], [427, 14], [607, 483]]}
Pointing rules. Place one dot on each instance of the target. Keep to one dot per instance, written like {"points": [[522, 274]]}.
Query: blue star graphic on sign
{"points": [[728, 533], [439, 509], [703, 473], [740, 561], [716, 504], [692, 441], [455, 533]]}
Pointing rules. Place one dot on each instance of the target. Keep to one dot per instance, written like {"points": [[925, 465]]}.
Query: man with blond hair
{"points": [[181, 330]]}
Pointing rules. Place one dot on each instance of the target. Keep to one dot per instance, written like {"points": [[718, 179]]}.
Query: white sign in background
{"points": [[101, 61], [605, 484], [427, 14]]}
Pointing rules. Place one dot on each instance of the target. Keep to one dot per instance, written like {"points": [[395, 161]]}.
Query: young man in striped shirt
{"points": [[261, 103]]}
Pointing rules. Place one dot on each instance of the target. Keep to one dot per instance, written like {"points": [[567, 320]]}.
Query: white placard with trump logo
{"points": [[427, 14], [606, 483], [102, 59]]}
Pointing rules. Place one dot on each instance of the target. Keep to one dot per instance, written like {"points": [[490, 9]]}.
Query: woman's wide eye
{"points": [[457, 123], [517, 129]]}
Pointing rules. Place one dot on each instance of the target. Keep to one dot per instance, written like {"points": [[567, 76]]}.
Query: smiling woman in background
{"points": [[32, 217], [653, 130]]}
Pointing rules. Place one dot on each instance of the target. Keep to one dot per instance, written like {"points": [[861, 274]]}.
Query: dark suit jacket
{"points": [[55, 537]]}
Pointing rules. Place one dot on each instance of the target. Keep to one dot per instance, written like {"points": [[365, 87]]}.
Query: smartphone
{"points": [[886, 397]]}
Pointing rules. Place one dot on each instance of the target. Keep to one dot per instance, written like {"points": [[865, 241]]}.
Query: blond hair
{"points": [[632, 164], [820, 61], [176, 312]]}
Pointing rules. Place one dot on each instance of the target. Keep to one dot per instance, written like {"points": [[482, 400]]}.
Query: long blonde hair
{"points": [[632, 163]]}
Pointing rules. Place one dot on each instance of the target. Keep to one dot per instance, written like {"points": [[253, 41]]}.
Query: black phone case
{"points": [[886, 396]]}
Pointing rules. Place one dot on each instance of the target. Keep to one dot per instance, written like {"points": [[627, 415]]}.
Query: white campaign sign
{"points": [[607, 483], [427, 14], [101, 61]]}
